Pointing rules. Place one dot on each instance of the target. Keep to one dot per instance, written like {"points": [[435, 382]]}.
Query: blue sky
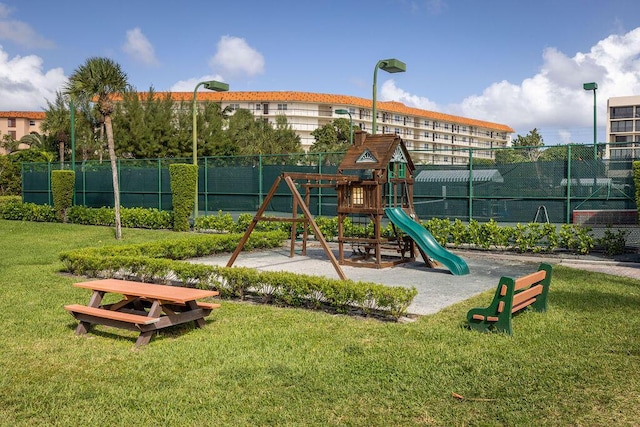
{"points": [[516, 62]]}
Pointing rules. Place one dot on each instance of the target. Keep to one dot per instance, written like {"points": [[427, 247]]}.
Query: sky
{"points": [[516, 62]]}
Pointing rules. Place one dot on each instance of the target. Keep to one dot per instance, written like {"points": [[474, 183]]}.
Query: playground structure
{"points": [[374, 179]]}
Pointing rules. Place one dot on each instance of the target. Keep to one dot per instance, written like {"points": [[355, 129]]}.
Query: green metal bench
{"points": [[512, 296]]}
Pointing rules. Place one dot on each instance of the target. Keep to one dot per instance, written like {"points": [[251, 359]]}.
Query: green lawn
{"points": [[577, 364]]}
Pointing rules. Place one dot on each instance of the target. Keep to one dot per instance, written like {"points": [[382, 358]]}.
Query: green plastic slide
{"points": [[426, 242]]}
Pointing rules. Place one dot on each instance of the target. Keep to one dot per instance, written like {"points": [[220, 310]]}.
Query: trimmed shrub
{"points": [[10, 199], [27, 212], [159, 262], [62, 185], [184, 178]]}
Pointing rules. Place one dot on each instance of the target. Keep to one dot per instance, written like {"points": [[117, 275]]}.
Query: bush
{"points": [[160, 261], [184, 179], [10, 199], [62, 185], [27, 212]]}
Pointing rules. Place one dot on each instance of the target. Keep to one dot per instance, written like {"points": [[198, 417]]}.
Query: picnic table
{"points": [[145, 307]]}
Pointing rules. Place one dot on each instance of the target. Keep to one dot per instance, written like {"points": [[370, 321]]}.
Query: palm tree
{"points": [[99, 79]]}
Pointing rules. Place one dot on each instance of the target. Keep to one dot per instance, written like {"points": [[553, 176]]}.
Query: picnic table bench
{"points": [[145, 307], [512, 296]]}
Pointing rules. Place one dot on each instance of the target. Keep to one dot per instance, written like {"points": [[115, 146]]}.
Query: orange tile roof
{"points": [[32, 115], [322, 98]]}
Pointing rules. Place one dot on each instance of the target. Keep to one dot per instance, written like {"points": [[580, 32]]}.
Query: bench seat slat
{"points": [[110, 314], [522, 305]]}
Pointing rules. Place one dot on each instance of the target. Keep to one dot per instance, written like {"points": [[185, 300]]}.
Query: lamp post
{"points": [[211, 85], [390, 66], [593, 86], [343, 111]]}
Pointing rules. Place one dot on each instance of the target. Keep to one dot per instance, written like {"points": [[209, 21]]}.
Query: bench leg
{"points": [[199, 322], [145, 337], [83, 328]]}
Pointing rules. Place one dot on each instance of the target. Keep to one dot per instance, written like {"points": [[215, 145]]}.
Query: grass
{"points": [[576, 364]]}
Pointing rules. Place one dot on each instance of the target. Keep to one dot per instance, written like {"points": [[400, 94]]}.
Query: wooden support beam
{"points": [[314, 226], [256, 218]]}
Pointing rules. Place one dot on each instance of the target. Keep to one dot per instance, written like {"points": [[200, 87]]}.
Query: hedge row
{"points": [[14, 209], [531, 237], [159, 262]]}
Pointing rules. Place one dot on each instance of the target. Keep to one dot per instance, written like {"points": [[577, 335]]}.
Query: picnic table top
{"points": [[160, 292]]}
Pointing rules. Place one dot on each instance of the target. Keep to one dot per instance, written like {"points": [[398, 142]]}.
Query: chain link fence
{"points": [[561, 190]]}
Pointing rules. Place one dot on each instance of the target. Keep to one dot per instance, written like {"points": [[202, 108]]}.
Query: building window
{"points": [[12, 134], [396, 131], [621, 112], [11, 122], [396, 119], [32, 122], [282, 107], [622, 126], [265, 108], [234, 107], [426, 123], [258, 107]]}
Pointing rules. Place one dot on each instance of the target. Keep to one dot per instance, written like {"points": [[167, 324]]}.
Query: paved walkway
{"points": [[437, 287]]}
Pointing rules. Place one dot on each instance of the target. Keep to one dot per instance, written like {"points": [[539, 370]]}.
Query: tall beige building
{"points": [[443, 137], [623, 128]]}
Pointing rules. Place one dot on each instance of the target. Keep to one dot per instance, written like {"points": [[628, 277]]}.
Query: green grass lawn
{"points": [[577, 364]]}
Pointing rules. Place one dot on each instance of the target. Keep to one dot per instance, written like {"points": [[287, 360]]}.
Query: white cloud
{"points": [[390, 92], [4, 11], [19, 32], [190, 84], [24, 85], [139, 48], [553, 99], [236, 57]]}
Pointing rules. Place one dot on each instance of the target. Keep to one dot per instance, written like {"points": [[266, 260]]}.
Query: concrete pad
{"points": [[437, 287]]}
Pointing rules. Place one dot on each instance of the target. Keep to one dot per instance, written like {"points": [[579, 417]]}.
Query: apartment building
{"points": [[17, 124], [433, 137], [623, 128]]}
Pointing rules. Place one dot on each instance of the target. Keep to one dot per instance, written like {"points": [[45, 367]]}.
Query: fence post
{"points": [[470, 184], [260, 172], [568, 220], [159, 184], [84, 183], [319, 188], [206, 186], [48, 184]]}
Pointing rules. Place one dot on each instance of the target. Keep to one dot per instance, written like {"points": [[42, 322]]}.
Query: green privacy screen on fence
{"points": [[480, 190]]}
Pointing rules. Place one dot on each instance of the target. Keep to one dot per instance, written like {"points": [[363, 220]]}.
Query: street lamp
{"points": [[390, 66], [593, 86], [211, 85], [343, 111]]}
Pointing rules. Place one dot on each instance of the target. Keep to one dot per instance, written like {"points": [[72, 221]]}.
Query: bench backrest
{"points": [[530, 290]]}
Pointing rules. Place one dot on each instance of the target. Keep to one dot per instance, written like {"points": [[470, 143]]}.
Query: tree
{"points": [[530, 144], [99, 79], [37, 142], [331, 138], [57, 123]]}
